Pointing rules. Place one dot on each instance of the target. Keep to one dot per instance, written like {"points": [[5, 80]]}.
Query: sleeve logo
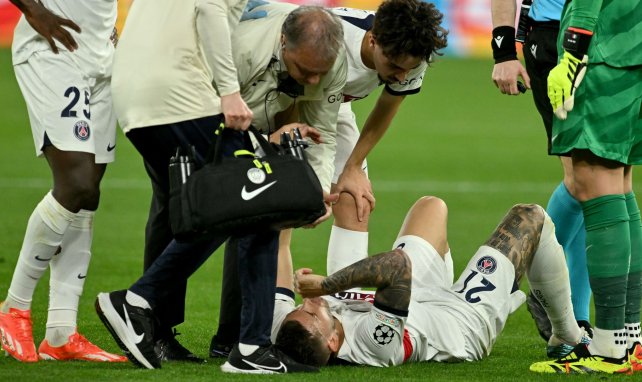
{"points": [[486, 265], [383, 334], [390, 321]]}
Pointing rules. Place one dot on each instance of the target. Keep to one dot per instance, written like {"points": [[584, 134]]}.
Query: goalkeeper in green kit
{"points": [[596, 93]]}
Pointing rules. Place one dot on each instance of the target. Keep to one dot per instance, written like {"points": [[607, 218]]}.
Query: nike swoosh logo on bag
{"points": [[252, 194], [263, 367], [137, 337]]}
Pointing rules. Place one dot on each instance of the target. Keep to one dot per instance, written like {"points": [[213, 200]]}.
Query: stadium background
{"points": [[467, 20], [459, 138]]}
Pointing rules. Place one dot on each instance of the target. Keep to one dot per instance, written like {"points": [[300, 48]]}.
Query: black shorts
{"points": [[540, 56]]}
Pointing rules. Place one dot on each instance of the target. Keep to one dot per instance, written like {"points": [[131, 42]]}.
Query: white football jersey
{"points": [[361, 79], [96, 19], [445, 322], [440, 329], [376, 336]]}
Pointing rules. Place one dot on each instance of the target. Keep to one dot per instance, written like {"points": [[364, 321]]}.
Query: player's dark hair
{"points": [[409, 27], [299, 343]]}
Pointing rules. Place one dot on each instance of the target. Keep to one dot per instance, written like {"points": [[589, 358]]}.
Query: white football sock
{"points": [[68, 273], [632, 333], [345, 247], [136, 300], [43, 236], [549, 282], [246, 349], [608, 343]]}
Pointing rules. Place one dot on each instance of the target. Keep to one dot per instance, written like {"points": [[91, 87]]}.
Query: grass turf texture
{"points": [[459, 139]]}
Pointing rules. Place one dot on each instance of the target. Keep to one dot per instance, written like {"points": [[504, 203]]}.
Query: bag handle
{"points": [[217, 156], [268, 149]]}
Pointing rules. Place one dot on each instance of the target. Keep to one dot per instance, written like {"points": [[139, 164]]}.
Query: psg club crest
{"points": [[256, 175], [81, 130], [486, 265]]}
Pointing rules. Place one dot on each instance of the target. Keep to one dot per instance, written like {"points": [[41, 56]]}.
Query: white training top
{"points": [[361, 79], [164, 68], [96, 19], [261, 70]]}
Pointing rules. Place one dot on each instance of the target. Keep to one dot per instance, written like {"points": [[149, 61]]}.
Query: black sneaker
{"points": [[264, 360], [169, 349], [219, 350], [132, 327], [539, 316]]}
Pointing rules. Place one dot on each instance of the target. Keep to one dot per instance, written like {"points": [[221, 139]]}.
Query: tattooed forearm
{"points": [[389, 272], [517, 236]]}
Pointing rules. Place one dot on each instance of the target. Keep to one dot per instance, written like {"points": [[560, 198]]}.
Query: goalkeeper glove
{"points": [[565, 78]]}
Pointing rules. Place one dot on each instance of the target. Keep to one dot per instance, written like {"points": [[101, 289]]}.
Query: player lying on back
{"points": [[417, 313]]}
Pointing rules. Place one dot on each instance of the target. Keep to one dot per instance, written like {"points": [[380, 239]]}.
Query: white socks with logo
{"points": [[549, 282], [43, 237], [68, 273]]}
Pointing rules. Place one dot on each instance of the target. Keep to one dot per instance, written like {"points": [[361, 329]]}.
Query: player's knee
{"points": [[85, 195], [431, 206], [345, 213]]}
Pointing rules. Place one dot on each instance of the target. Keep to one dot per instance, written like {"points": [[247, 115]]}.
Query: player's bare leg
{"points": [[64, 218], [428, 218], [349, 237]]}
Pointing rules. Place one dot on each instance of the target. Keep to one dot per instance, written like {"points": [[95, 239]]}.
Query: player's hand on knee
{"points": [[51, 26], [567, 76], [308, 284], [238, 115], [354, 181]]}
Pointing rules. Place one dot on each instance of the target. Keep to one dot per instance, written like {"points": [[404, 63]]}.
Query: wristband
{"points": [[503, 44], [576, 42]]}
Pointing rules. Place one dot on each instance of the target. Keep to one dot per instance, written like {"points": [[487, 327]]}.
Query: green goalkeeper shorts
{"points": [[607, 116]]}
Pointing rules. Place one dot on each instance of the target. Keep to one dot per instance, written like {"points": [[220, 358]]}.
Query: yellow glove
{"points": [[563, 80], [566, 77]]}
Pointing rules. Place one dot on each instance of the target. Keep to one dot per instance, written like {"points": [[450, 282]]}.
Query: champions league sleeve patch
{"points": [[487, 265], [383, 334]]}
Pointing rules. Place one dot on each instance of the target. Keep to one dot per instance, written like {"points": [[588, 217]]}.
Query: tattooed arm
{"points": [[389, 272], [517, 236]]}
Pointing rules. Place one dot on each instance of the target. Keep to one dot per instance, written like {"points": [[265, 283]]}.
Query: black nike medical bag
{"points": [[243, 193]]}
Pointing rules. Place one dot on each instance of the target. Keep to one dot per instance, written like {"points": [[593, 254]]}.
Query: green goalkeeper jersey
{"points": [[617, 28]]}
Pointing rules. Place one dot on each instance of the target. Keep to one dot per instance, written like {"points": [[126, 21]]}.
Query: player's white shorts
{"points": [[73, 110], [460, 321], [347, 136]]}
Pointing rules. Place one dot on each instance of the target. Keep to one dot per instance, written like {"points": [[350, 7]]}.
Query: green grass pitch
{"points": [[459, 139]]}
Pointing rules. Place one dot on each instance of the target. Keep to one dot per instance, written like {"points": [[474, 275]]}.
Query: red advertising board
{"points": [[9, 16]]}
